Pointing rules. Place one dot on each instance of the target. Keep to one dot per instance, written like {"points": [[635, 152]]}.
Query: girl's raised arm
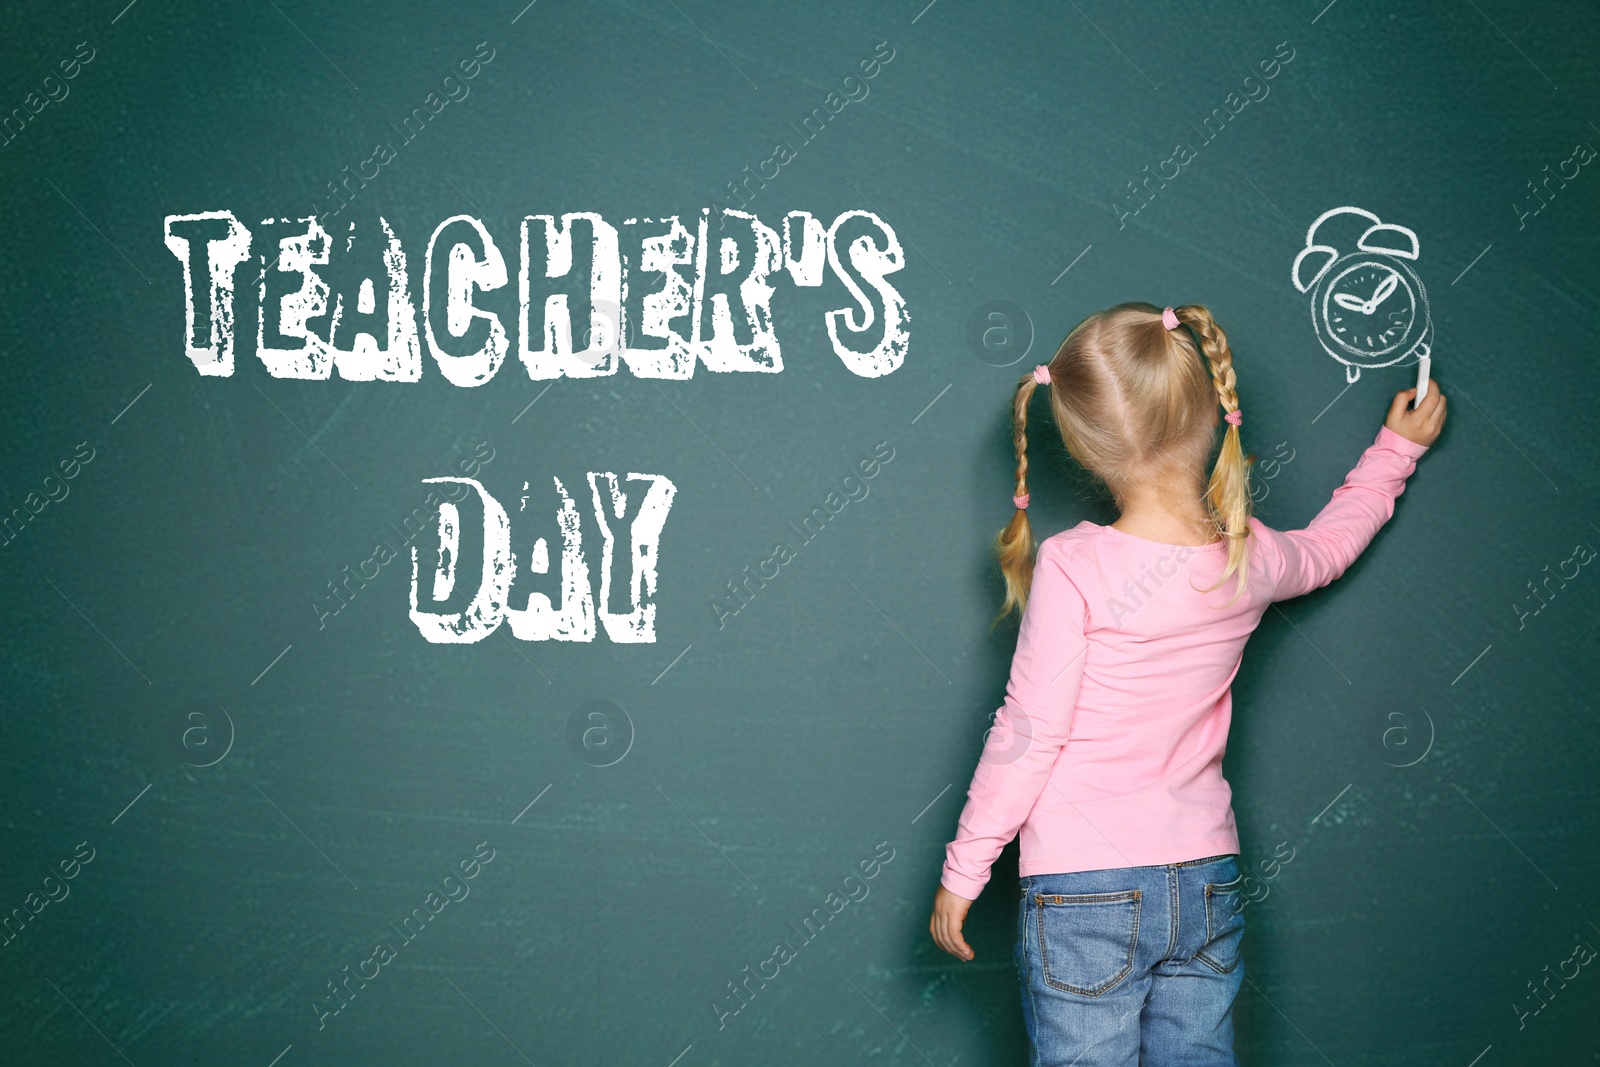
{"points": [[1308, 559]]}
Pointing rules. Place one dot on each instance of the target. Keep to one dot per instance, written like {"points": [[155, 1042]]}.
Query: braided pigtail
{"points": [[1015, 543], [1228, 493]]}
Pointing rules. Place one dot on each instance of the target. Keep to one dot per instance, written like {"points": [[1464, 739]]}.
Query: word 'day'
{"points": [[571, 616]]}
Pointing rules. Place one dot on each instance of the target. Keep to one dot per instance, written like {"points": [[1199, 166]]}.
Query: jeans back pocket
{"points": [[1087, 940], [1224, 925]]}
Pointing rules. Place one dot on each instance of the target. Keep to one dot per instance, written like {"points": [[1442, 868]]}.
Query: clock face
{"points": [[1368, 309]]}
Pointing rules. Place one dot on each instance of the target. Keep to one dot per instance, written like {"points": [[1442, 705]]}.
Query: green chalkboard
{"points": [[498, 505]]}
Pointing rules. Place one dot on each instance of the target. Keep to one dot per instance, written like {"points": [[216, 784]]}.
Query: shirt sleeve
{"points": [[1308, 559], [1032, 724]]}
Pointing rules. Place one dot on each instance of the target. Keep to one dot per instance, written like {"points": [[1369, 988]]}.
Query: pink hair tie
{"points": [[1235, 417], [1041, 374], [1169, 318], [1020, 501]]}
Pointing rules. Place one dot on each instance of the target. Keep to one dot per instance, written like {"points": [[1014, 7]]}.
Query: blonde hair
{"points": [[1135, 407]]}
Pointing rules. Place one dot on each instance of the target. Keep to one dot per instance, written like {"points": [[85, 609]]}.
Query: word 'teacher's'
{"points": [[654, 295]]}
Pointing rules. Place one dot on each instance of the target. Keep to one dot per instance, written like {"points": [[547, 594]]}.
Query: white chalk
{"points": [[1423, 364]]}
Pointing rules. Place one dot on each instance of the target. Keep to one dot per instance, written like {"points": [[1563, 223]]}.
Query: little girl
{"points": [[1107, 753]]}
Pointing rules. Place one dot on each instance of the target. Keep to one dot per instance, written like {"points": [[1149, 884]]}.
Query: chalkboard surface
{"points": [[270, 799]]}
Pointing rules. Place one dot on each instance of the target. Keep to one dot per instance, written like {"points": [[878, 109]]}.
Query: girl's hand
{"points": [[1422, 425], [949, 912]]}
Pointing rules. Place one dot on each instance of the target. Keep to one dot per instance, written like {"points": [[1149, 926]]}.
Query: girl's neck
{"points": [[1146, 513]]}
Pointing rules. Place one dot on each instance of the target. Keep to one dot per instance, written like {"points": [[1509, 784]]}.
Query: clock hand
{"points": [[1351, 302], [1386, 287]]}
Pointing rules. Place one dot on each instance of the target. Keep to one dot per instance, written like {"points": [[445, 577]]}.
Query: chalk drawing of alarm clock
{"points": [[1368, 307]]}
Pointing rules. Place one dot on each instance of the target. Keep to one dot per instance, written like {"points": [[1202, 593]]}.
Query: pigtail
{"points": [[1015, 543], [1228, 498]]}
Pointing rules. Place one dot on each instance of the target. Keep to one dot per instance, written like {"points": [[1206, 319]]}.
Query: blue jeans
{"points": [[1133, 965]]}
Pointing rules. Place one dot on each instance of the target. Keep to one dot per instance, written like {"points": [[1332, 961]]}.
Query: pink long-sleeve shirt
{"points": [[1107, 751]]}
